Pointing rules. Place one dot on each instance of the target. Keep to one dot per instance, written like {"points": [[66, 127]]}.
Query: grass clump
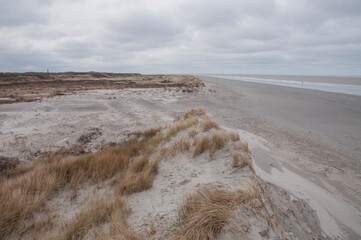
{"points": [[204, 213], [187, 123], [181, 145], [139, 164], [209, 124], [234, 136], [97, 213], [192, 133], [195, 112], [241, 160], [149, 132], [201, 144], [215, 142], [133, 183], [25, 194]]}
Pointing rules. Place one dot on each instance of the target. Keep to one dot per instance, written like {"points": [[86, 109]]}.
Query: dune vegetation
{"points": [[30, 195]]}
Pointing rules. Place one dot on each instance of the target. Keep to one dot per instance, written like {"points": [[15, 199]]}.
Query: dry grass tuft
{"points": [[218, 141], [201, 144], [139, 164], [149, 132], [195, 112], [183, 144], [133, 183], [96, 214], [24, 194], [7, 166], [209, 124], [241, 160], [192, 133], [234, 136], [187, 123], [245, 147], [178, 118], [204, 213]]}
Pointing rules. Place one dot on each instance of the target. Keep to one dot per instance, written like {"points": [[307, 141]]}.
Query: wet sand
{"points": [[314, 133], [316, 79], [323, 128]]}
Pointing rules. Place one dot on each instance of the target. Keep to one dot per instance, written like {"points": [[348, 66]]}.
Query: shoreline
{"points": [[303, 83]]}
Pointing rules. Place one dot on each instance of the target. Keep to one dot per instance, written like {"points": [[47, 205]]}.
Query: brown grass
{"points": [[131, 167], [234, 136], [17, 86], [245, 147], [23, 195], [195, 112], [241, 160], [201, 144], [97, 213], [139, 164], [133, 183], [7, 166], [187, 123], [209, 124], [215, 142], [192, 133], [218, 141], [204, 213], [149, 132], [183, 144]]}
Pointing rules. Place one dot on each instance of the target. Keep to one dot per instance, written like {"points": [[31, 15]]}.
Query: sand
{"points": [[320, 131], [298, 131]]}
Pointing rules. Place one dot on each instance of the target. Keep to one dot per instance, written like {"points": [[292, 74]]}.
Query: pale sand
{"points": [[315, 146]]}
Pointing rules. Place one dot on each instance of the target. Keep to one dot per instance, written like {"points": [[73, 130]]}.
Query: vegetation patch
{"points": [[122, 170], [203, 214]]}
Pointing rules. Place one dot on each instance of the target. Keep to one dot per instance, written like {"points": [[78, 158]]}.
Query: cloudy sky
{"points": [[321, 37]]}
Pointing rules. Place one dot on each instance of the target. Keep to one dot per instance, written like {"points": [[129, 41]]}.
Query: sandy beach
{"points": [[304, 143]]}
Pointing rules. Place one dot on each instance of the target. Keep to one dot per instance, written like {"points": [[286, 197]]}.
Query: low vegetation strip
{"points": [[25, 87]]}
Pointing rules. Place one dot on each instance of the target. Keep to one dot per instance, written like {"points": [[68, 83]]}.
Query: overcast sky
{"points": [[321, 37]]}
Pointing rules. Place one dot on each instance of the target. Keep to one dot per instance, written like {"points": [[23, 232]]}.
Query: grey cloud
{"points": [[23, 12], [259, 36]]}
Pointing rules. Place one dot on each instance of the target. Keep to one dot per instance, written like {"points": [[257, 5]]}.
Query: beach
{"points": [[304, 145]]}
